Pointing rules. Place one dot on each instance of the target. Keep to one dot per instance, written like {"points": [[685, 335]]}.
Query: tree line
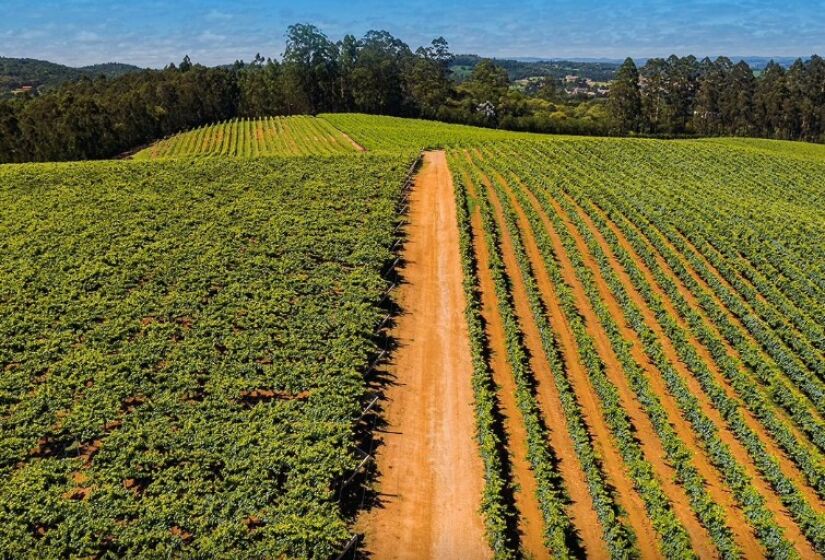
{"points": [[379, 73], [685, 96]]}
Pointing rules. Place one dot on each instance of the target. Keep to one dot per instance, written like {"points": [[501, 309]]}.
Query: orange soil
{"points": [[530, 518], [274, 136], [694, 304], [733, 318], [759, 296], [358, 147], [716, 487], [355, 144], [581, 511], [431, 471], [625, 493], [286, 135], [218, 139], [773, 503], [788, 467], [651, 445]]}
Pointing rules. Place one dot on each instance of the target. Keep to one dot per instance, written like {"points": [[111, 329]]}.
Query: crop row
{"points": [[619, 538], [809, 520], [525, 161], [273, 136], [550, 491], [674, 539], [785, 318], [710, 514], [763, 367]]}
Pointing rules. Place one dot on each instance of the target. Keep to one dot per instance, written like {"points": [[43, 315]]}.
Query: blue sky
{"points": [[153, 32]]}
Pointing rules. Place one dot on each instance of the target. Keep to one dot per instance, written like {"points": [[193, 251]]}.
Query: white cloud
{"points": [[216, 15], [211, 37], [87, 37]]}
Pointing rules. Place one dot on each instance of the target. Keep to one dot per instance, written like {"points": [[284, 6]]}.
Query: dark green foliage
{"points": [[683, 96], [377, 74], [102, 118], [626, 98], [42, 75]]}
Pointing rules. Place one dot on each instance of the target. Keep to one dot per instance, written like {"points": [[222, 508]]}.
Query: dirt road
{"points": [[430, 470]]}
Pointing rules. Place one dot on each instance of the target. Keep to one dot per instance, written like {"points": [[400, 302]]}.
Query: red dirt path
{"points": [[431, 474]]}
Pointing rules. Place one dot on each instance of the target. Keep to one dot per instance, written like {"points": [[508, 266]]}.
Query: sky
{"points": [[153, 33]]}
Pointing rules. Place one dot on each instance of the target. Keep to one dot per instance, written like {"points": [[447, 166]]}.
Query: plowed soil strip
{"points": [[626, 494], [787, 466], [530, 518], [651, 445], [581, 509], [692, 301], [772, 501], [358, 147], [431, 474], [716, 487], [348, 138]]}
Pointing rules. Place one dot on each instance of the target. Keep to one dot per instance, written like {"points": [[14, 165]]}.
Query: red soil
{"points": [[772, 501], [625, 493], [717, 489], [581, 510], [431, 471], [530, 518]]}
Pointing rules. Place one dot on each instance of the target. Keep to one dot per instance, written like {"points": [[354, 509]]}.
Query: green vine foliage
{"points": [[183, 338], [183, 347]]}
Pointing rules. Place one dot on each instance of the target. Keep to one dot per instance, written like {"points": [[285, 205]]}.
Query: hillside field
{"points": [[276, 136], [186, 337]]}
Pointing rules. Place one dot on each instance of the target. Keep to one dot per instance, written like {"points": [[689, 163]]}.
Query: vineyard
{"points": [[663, 334], [185, 345], [184, 377], [273, 136]]}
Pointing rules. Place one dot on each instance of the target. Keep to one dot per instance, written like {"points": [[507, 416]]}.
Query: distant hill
{"points": [[596, 69], [40, 75], [599, 71], [16, 73]]}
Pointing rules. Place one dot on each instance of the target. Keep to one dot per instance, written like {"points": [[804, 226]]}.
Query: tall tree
{"points": [[485, 91], [378, 77], [261, 93], [625, 98], [428, 80], [707, 110], [670, 86], [347, 59], [310, 69], [768, 103], [813, 104], [681, 84], [654, 103], [736, 101]]}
